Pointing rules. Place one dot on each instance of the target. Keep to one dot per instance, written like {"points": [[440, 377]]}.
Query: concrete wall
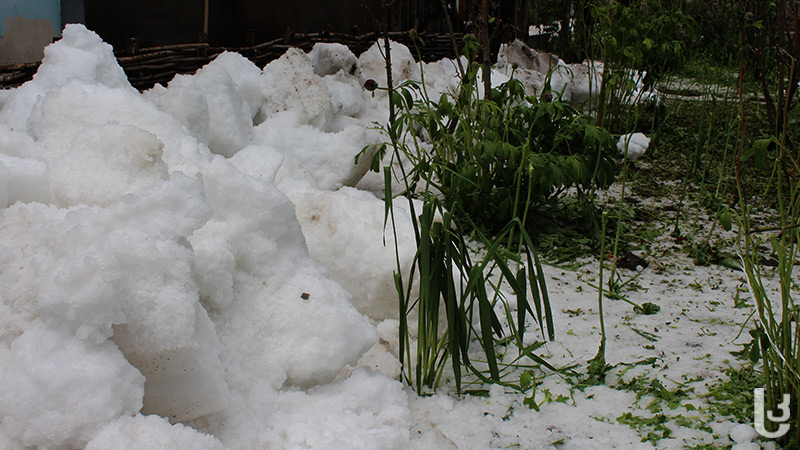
{"points": [[26, 27]]}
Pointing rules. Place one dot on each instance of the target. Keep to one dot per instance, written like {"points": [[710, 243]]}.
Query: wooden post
{"points": [[205, 18], [486, 51]]}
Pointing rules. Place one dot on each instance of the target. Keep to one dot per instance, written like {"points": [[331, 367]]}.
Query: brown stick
{"points": [[483, 30]]}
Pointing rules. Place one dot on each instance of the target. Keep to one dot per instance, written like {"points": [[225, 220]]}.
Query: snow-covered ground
{"points": [[202, 266]]}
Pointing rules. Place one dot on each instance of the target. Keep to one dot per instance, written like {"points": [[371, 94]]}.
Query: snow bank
{"points": [[217, 104], [57, 389], [310, 119], [155, 275], [373, 66], [78, 56], [150, 432], [574, 83], [328, 59]]}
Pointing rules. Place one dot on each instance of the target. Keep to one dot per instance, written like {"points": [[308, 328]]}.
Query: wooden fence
{"points": [[149, 66]]}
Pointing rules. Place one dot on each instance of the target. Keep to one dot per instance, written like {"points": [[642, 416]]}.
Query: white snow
{"points": [[743, 433], [192, 268], [633, 145]]}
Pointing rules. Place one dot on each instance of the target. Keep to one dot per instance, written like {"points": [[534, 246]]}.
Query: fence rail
{"points": [[149, 66]]}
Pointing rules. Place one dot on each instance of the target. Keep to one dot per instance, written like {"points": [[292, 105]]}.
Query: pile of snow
{"points": [[575, 83], [154, 273]]}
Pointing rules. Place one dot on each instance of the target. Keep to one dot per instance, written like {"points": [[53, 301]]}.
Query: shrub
{"points": [[500, 159]]}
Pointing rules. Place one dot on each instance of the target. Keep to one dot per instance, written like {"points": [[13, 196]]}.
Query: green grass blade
{"points": [[485, 313], [542, 286], [522, 304]]}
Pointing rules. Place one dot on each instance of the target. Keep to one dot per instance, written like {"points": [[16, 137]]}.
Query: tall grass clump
{"points": [[481, 168]]}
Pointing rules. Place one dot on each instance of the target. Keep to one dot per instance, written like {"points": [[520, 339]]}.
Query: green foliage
{"points": [[469, 147], [655, 426], [716, 24], [451, 284], [734, 396], [499, 159], [641, 36], [776, 332]]}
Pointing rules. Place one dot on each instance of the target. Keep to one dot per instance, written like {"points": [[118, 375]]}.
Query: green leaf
{"points": [[486, 313], [760, 152], [725, 219], [408, 97], [530, 402], [397, 99], [522, 303], [647, 308], [525, 380]]}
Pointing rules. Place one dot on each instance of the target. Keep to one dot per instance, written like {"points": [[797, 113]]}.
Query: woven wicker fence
{"points": [[149, 66]]}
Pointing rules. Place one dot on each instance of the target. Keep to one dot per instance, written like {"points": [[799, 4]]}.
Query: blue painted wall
{"points": [[49, 10]]}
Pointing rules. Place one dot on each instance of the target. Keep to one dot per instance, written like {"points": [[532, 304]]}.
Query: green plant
{"points": [[733, 396], [500, 159], [776, 330], [597, 366], [638, 42], [776, 322], [451, 284]]}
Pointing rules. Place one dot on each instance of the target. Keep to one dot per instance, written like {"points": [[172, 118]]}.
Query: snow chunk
{"points": [[364, 412], [517, 55], [329, 59], [185, 382], [325, 160], [214, 265], [57, 390], [65, 111], [746, 446], [574, 83], [442, 77], [290, 84], [23, 176], [586, 81], [150, 432], [372, 413], [258, 161], [373, 66], [347, 94], [126, 271], [106, 162], [742, 433], [246, 78], [22, 179], [286, 322], [217, 104], [345, 232], [80, 55], [636, 144]]}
